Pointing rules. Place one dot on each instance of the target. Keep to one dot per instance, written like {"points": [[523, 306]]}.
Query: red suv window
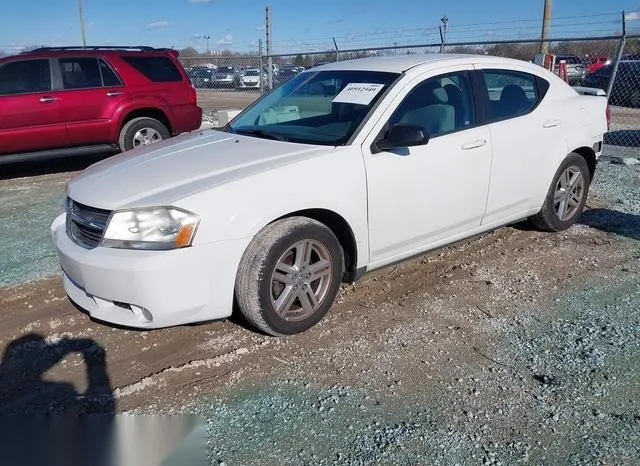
{"points": [[25, 76], [157, 69]]}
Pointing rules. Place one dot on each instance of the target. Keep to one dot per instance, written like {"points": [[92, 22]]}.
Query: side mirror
{"points": [[403, 136]]}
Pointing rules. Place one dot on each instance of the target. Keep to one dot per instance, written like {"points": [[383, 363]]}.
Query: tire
{"points": [[142, 131], [276, 252], [562, 207]]}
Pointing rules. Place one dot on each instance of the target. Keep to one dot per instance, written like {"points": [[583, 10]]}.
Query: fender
{"points": [[132, 104]]}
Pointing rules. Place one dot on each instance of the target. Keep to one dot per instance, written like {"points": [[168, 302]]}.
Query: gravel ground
{"points": [[516, 347], [27, 209]]}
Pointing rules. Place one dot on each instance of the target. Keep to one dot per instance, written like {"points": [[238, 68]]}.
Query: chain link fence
{"points": [[223, 83], [610, 63]]}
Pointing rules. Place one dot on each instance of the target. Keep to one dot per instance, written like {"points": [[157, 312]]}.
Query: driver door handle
{"points": [[114, 94], [48, 99], [474, 144]]}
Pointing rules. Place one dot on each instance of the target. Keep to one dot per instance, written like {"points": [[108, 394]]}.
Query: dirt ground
{"points": [[514, 347]]}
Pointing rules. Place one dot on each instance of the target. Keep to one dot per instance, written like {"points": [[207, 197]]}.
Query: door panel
{"points": [[30, 113], [424, 194], [92, 92], [526, 140]]}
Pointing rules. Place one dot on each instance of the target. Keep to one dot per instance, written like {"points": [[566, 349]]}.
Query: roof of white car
{"points": [[401, 63]]}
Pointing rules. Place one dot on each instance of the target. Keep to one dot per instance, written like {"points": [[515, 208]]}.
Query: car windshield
{"points": [[322, 107], [225, 69], [251, 73], [199, 70]]}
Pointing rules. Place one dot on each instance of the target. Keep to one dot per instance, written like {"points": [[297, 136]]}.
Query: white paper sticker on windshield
{"points": [[358, 93]]}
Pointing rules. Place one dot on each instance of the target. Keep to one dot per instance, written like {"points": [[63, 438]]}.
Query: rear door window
{"points": [[80, 73], [109, 77], [25, 76], [87, 73], [511, 93], [156, 69]]}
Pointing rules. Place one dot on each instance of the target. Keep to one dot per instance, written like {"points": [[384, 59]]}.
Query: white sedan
{"points": [[343, 169], [250, 79]]}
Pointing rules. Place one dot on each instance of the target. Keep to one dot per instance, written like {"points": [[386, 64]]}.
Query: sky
{"points": [[298, 25]]}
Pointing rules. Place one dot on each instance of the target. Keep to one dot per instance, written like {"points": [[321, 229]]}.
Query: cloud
{"points": [[158, 25], [261, 28], [632, 16], [226, 40]]}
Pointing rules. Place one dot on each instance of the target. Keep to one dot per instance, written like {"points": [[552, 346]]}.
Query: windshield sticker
{"points": [[358, 93]]}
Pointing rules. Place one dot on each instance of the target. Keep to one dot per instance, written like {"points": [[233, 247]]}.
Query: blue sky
{"points": [[297, 24]]}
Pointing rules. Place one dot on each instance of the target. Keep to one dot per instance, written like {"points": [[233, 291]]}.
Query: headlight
{"points": [[153, 228]]}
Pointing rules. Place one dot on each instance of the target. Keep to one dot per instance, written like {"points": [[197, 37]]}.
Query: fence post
{"points": [[269, 52], [614, 71], [260, 66]]}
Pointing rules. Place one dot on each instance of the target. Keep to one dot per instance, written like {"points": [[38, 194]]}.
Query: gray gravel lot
{"points": [[517, 347]]}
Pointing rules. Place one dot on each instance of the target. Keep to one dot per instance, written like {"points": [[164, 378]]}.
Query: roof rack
{"points": [[142, 48]]}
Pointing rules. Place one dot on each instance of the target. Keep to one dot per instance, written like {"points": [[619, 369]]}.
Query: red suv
{"points": [[58, 101]]}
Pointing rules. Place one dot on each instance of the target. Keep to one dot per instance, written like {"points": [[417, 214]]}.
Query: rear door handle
{"points": [[474, 144], [113, 94], [48, 99], [551, 123]]}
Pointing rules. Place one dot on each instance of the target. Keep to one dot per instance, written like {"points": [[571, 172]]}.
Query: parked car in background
{"points": [[626, 88], [226, 76], [595, 63], [285, 74], [251, 79], [338, 171], [66, 100], [576, 69], [201, 76]]}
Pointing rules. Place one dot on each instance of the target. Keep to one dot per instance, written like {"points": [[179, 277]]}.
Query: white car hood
{"points": [[165, 172]]}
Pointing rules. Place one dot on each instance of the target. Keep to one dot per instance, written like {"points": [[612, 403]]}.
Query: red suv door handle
{"points": [[113, 94], [48, 100]]}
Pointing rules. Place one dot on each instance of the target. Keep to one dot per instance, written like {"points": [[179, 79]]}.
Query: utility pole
{"points": [[269, 51], [207, 37], [443, 32], [82, 29], [546, 25]]}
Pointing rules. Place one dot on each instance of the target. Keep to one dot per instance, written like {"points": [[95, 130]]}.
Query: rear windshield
{"points": [[157, 69]]}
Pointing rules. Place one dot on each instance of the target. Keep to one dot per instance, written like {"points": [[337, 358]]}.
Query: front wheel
{"points": [[142, 131], [566, 196], [289, 276]]}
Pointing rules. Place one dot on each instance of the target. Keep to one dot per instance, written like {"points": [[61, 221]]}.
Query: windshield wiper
{"points": [[259, 133]]}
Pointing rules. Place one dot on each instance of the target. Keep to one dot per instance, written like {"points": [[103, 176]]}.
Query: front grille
{"points": [[85, 225]]}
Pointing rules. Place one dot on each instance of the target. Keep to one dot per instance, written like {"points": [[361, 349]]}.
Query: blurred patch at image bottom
{"points": [[103, 440]]}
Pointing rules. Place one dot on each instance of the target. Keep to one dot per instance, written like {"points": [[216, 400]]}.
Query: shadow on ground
{"points": [[48, 422], [49, 166], [627, 137], [25, 388], [612, 221]]}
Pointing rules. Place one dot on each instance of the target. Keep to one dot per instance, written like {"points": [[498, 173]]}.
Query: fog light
{"points": [[141, 313]]}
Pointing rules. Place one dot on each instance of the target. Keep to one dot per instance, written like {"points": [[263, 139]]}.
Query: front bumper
{"points": [[249, 84], [150, 289]]}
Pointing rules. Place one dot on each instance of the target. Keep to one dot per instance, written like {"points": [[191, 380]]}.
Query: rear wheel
{"points": [[289, 276], [142, 131], [566, 197]]}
